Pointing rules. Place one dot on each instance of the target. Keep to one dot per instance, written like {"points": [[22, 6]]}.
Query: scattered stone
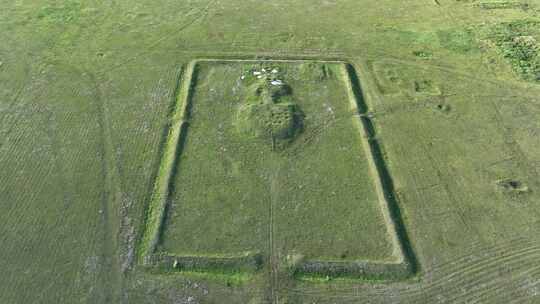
{"points": [[256, 73], [330, 110], [274, 71], [276, 82]]}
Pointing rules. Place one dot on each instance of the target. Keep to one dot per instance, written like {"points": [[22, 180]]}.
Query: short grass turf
{"points": [[315, 193], [86, 87]]}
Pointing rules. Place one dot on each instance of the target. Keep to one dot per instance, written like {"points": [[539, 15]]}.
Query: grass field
{"points": [[248, 206], [245, 146]]}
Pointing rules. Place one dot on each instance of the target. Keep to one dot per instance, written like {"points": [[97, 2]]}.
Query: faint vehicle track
{"points": [[475, 277], [274, 259], [113, 192], [198, 13]]}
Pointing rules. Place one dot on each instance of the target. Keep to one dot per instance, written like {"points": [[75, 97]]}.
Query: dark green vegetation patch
{"points": [[503, 5], [518, 43], [460, 41]]}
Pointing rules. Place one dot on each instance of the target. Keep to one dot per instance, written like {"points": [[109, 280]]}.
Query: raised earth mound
{"points": [[269, 113]]}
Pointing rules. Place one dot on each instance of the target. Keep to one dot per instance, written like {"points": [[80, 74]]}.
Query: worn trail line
{"points": [[274, 275], [495, 289], [461, 284], [112, 196]]}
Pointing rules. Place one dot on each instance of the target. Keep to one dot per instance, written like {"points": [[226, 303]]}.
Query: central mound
{"points": [[268, 113]]}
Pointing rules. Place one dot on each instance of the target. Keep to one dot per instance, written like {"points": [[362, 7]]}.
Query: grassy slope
{"points": [[133, 52]]}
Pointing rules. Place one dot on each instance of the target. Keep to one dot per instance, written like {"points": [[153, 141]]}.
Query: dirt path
{"points": [[274, 258]]}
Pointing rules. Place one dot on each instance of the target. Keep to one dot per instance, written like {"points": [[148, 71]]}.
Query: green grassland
{"points": [[88, 99], [244, 155], [318, 185]]}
